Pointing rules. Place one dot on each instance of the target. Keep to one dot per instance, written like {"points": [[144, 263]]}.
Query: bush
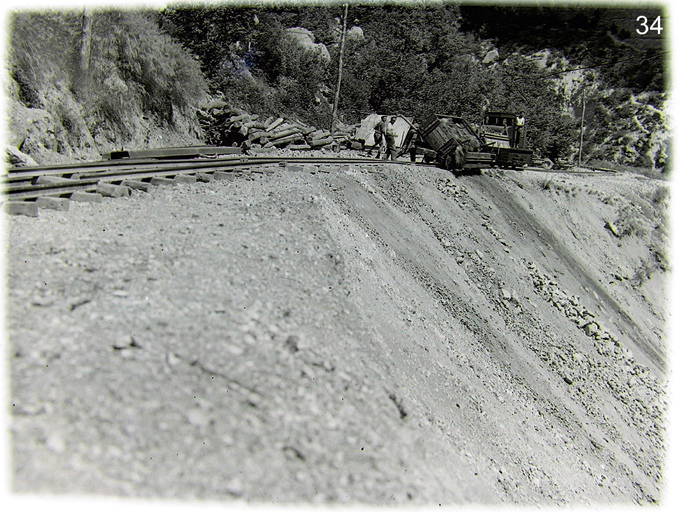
{"points": [[631, 221], [136, 76], [41, 52], [134, 65]]}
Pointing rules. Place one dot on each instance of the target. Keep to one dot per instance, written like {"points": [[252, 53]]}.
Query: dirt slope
{"points": [[372, 335]]}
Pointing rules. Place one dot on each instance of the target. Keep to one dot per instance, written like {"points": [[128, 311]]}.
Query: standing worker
{"points": [[379, 136], [519, 123], [410, 144], [390, 136], [509, 132]]}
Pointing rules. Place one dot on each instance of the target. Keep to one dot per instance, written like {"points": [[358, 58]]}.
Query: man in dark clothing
{"points": [[410, 144]]}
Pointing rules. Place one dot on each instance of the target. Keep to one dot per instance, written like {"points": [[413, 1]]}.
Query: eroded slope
{"points": [[383, 335]]}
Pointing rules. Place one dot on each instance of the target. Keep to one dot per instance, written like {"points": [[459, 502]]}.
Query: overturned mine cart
{"points": [[457, 146], [455, 142]]}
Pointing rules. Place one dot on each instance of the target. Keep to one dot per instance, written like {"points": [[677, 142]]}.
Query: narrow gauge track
{"points": [[63, 180], [29, 183]]}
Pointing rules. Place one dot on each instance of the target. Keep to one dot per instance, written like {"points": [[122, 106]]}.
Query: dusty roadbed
{"points": [[390, 337]]}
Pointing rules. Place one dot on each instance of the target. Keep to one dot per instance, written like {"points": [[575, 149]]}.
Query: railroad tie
{"points": [[185, 178], [86, 197], [110, 190], [223, 175], [204, 177], [136, 185], [162, 181], [53, 203], [30, 209], [53, 180]]}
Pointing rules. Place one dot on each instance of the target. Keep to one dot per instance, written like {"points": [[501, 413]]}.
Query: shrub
{"points": [[135, 65], [41, 52], [660, 197], [135, 72], [631, 221]]}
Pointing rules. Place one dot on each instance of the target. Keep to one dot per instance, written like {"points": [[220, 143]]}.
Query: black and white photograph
{"points": [[329, 254]]}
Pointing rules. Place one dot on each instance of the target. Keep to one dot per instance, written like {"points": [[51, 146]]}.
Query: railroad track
{"points": [[27, 188], [113, 177]]}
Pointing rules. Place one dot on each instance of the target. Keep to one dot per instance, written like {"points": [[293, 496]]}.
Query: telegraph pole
{"points": [[82, 78], [339, 76], [583, 114]]}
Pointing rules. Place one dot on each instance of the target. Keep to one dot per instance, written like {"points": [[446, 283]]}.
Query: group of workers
{"points": [[385, 139], [385, 136]]}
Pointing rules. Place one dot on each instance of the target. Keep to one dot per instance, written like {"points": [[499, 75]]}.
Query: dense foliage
{"points": [[412, 61], [132, 72], [435, 58], [419, 61], [603, 38]]}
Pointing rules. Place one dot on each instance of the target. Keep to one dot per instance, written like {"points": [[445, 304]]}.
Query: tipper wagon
{"points": [[457, 146]]}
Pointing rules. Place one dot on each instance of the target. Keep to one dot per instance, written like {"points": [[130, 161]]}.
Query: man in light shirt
{"points": [[390, 136], [519, 123]]}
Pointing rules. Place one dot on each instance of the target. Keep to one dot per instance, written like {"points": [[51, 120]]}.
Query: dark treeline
{"points": [[604, 38], [435, 58], [419, 61]]}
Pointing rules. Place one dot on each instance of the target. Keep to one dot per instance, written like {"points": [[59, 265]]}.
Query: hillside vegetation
{"points": [[132, 86], [83, 83]]}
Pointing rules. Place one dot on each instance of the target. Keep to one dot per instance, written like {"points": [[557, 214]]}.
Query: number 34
{"points": [[656, 25]]}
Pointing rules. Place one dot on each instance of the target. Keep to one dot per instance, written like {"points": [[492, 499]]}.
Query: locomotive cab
{"points": [[504, 134], [505, 130]]}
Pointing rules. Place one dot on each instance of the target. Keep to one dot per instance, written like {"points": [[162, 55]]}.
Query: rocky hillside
{"points": [[82, 83], [346, 335]]}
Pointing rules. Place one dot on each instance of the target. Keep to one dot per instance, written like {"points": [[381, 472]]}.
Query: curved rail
{"points": [[63, 180], [29, 183]]}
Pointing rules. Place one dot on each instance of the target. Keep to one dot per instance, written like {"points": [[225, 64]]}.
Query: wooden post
{"points": [[339, 77], [583, 114], [86, 37]]}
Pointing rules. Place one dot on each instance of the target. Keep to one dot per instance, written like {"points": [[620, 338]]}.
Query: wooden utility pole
{"points": [[86, 37], [583, 114], [339, 76]]}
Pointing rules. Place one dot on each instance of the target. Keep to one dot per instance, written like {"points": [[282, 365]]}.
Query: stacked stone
{"points": [[227, 126]]}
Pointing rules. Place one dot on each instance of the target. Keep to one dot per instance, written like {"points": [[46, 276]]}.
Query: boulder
{"points": [[306, 40], [17, 158], [491, 57]]}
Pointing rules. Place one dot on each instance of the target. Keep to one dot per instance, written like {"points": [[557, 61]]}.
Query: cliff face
{"points": [[58, 132], [635, 131], [620, 126], [135, 87]]}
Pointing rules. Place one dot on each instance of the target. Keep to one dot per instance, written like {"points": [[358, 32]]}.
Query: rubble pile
{"points": [[636, 387], [229, 126]]}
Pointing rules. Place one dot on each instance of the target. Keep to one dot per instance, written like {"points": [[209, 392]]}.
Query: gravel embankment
{"points": [[370, 335]]}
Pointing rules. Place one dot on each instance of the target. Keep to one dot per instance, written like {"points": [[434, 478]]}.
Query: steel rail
{"points": [[21, 183], [24, 173], [36, 191]]}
